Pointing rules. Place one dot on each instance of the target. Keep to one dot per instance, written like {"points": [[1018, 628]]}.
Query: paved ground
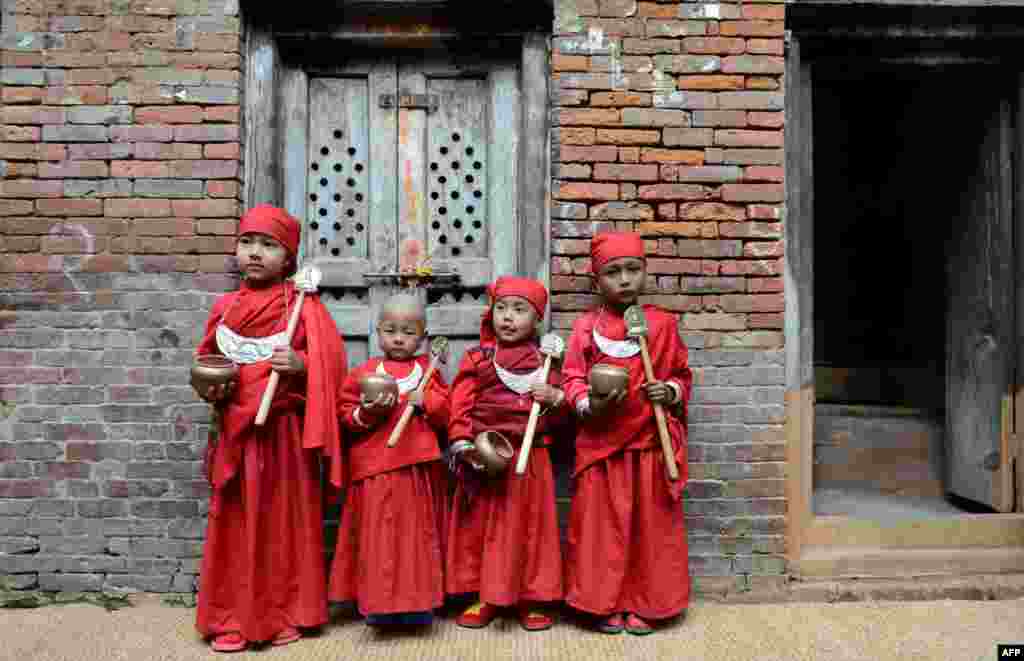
{"points": [[865, 631]]}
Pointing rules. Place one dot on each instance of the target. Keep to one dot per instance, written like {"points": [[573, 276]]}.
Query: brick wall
{"points": [[120, 161], [120, 165], [667, 119]]}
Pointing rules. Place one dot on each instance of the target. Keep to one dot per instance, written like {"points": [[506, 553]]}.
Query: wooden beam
{"points": [[262, 173], [533, 210]]}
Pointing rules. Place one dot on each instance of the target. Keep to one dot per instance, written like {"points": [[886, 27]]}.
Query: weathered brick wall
{"points": [[120, 161], [120, 164], [668, 120]]}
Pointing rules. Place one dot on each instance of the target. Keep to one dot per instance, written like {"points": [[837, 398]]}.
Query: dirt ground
{"points": [[876, 631]]}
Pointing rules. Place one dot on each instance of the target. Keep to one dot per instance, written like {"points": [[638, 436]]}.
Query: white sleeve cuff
{"points": [[357, 418], [583, 406], [677, 391]]}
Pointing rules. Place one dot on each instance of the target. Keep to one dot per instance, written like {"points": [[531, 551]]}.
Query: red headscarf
{"points": [[274, 222], [606, 246], [508, 285]]}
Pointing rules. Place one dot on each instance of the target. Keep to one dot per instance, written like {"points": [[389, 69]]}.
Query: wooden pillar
{"points": [[533, 258], [262, 170]]}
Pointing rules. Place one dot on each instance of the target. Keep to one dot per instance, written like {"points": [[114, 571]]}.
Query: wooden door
{"points": [[386, 188], [980, 315]]}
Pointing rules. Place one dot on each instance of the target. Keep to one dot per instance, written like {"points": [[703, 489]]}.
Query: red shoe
{"points": [[534, 620], [477, 616], [228, 642], [611, 624], [637, 626], [286, 636]]}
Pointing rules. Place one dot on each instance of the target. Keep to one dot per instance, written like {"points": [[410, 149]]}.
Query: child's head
{"points": [[268, 240], [619, 267], [517, 306], [401, 326]]}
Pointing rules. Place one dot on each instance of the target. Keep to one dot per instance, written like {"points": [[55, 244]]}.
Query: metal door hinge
{"points": [[428, 102]]}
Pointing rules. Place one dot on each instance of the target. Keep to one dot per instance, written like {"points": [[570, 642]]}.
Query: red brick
{"points": [[762, 83], [138, 208], [37, 488], [222, 188], [764, 212], [217, 226], [572, 136], [742, 138], [687, 156], [669, 266], [753, 193], [568, 154], [561, 62], [217, 42], [177, 227], [750, 100], [70, 95], [711, 211], [24, 244], [222, 113], [620, 99], [667, 211], [684, 137], [761, 249], [766, 46], [571, 171], [764, 173], [169, 115], [21, 133], [657, 10], [222, 150], [15, 207], [755, 64], [10, 58], [141, 133], [22, 170], [589, 117], [766, 119], [76, 244], [586, 191], [204, 169], [765, 320], [204, 208], [621, 211], [710, 82], [649, 117], [147, 169], [763, 12], [761, 285], [675, 192], [569, 97], [162, 151], [66, 169], [751, 267], [31, 188], [714, 118], [628, 137], [9, 94], [751, 230], [28, 263], [629, 154], [752, 28], [34, 115], [625, 64], [714, 45], [69, 207]]}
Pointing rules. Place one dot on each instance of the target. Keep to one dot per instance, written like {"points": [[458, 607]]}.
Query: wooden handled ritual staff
{"points": [[307, 281], [552, 346], [636, 326], [438, 354]]}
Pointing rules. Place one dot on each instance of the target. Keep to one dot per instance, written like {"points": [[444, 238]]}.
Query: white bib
{"points": [[407, 383], [517, 383], [247, 350], [616, 348]]}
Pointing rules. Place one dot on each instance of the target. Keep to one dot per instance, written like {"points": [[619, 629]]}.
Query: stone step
{"points": [[845, 562], [960, 531]]}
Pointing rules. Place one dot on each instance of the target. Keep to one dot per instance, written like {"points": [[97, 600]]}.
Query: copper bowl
{"points": [[212, 370], [373, 385], [493, 451], [604, 379]]}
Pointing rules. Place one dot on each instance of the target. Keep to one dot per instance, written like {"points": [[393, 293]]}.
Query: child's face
{"points": [[261, 258], [621, 281], [514, 319], [400, 333]]}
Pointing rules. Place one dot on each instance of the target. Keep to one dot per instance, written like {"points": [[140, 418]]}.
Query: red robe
{"points": [[627, 535], [503, 540], [262, 569], [389, 557]]}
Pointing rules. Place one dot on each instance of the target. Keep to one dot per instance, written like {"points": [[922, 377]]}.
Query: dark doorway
{"points": [[897, 186]]}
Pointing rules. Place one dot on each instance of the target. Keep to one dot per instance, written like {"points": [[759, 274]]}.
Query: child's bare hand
{"points": [[286, 361], [658, 392], [545, 395], [599, 404], [381, 403], [217, 393]]}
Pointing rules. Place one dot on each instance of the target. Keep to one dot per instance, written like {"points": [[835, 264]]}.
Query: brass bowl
{"points": [[606, 378], [494, 451], [212, 370], [373, 385]]}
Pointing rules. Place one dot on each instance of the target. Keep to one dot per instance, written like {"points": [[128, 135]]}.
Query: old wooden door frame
{"points": [[804, 530], [266, 120]]}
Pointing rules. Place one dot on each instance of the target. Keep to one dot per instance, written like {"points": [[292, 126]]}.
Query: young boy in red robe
{"points": [[262, 575], [503, 540], [389, 555], [627, 559]]}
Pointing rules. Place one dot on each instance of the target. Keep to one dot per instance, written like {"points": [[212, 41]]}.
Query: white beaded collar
{"points": [[407, 383], [247, 350]]}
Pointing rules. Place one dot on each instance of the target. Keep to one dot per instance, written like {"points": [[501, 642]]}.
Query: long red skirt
{"points": [[627, 540], [504, 542], [263, 568], [389, 555]]}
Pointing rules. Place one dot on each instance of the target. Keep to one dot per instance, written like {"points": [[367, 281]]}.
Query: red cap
{"points": [[606, 246], [274, 222]]}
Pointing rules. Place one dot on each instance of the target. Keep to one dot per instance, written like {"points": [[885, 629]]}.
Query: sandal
{"points": [[637, 625], [611, 624], [228, 642], [477, 616], [534, 620], [286, 636]]}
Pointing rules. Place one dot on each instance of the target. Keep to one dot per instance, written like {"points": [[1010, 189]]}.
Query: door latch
{"points": [[415, 278], [428, 102]]}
